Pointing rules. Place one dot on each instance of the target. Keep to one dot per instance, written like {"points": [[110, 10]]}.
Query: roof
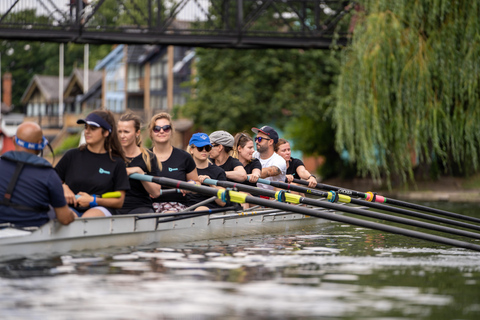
{"points": [[112, 56], [76, 79], [47, 85], [138, 54], [93, 77], [95, 89]]}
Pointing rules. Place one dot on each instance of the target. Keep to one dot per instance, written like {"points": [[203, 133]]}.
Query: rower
{"points": [[222, 148], [274, 166], [30, 190], [295, 167]]}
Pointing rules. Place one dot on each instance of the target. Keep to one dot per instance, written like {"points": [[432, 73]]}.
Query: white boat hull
{"points": [[121, 231]]}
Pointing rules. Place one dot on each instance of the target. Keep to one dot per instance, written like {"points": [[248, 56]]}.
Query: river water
{"points": [[336, 271]]}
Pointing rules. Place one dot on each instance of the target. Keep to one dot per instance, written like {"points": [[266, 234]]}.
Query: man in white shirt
{"points": [[274, 166]]}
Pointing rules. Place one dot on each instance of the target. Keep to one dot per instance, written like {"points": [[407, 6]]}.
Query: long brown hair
{"points": [[241, 140], [279, 143], [111, 143], [146, 154]]}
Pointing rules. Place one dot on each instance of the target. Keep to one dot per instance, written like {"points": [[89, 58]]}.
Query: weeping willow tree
{"points": [[409, 87]]}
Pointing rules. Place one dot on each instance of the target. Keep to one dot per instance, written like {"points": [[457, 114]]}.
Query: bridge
{"points": [[240, 24]]}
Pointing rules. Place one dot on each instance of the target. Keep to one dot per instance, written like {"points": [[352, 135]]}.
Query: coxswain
{"points": [[30, 190]]}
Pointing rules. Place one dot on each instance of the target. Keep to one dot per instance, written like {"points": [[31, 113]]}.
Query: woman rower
{"points": [[243, 150], [199, 147], [222, 145], [139, 160], [295, 167], [95, 168], [176, 163]]}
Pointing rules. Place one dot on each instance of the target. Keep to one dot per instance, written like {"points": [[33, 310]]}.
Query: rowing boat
{"points": [[142, 230]]}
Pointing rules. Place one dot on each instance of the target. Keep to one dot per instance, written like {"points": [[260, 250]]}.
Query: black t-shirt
{"points": [[254, 164], [93, 173], [230, 165], [137, 196], [215, 173], [176, 167], [293, 164]]}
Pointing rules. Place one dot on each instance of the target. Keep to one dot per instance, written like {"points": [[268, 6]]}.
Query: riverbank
{"points": [[451, 189]]}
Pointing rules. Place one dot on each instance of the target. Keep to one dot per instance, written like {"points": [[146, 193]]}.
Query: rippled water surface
{"points": [[334, 272]]}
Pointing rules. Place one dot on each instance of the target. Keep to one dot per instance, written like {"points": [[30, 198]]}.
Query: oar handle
{"points": [[210, 181], [264, 181], [113, 194], [141, 177]]}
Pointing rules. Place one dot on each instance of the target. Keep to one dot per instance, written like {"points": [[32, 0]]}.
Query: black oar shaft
{"points": [[380, 206], [366, 213], [392, 201], [415, 223], [324, 215]]}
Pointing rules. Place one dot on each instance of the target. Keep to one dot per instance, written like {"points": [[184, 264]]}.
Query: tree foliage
{"points": [[409, 85], [238, 89], [24, 59]]}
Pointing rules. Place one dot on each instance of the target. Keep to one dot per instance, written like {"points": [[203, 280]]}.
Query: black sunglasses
{"points": [[259, 139], [165, 128], [206, 148]]}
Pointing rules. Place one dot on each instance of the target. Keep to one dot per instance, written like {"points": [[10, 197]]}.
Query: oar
{"points": [[334, 197], [345, 199], [371, 197], [114, 194], [239, 197]]}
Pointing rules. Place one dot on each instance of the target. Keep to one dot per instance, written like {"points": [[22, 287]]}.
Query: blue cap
{"points": [[199, 140], [95, 120]]}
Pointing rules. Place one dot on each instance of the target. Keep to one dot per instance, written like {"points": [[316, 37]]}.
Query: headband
{"points": [[31, 145]]}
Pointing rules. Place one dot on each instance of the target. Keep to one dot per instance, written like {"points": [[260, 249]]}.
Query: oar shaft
{"points": [[367, 213], [325, 215], [392, 201], [415, 223], [384, 207]]}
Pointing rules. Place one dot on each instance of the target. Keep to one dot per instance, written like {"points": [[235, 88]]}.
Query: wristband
{"points": [[94, 202], [311, 176]]}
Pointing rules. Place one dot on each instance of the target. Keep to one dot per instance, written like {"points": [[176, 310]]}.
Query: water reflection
{"points": [[337, 272]]}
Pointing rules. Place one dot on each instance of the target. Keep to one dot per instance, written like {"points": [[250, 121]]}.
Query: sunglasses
{"points": [[260, 139], [165, 128], [206, 148]]}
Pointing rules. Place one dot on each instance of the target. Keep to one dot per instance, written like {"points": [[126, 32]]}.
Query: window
{"points": [[134, 78]]}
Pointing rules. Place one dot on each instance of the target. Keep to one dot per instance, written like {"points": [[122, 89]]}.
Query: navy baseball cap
{"points": [[199, 140], [269, 131], [95, 120]]}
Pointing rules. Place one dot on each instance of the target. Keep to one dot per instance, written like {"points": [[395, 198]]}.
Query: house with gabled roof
{"points": [[41, 100], [75, 89]]}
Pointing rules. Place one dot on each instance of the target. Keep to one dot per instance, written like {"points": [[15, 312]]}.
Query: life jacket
{"points": [[22, 159]]}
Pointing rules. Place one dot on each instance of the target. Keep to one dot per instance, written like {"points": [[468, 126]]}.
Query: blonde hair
{"points": [[241, 140], [190, 151], [146, 154], [158, 116]]}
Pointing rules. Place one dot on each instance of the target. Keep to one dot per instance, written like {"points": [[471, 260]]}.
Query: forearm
{"points": [[152, 188], [270, 172], [237, 175]]}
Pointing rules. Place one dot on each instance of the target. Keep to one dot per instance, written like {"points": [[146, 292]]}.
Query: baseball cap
{"points": [[199, 139], [95, 120], [269, 131], [222, 137]]}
